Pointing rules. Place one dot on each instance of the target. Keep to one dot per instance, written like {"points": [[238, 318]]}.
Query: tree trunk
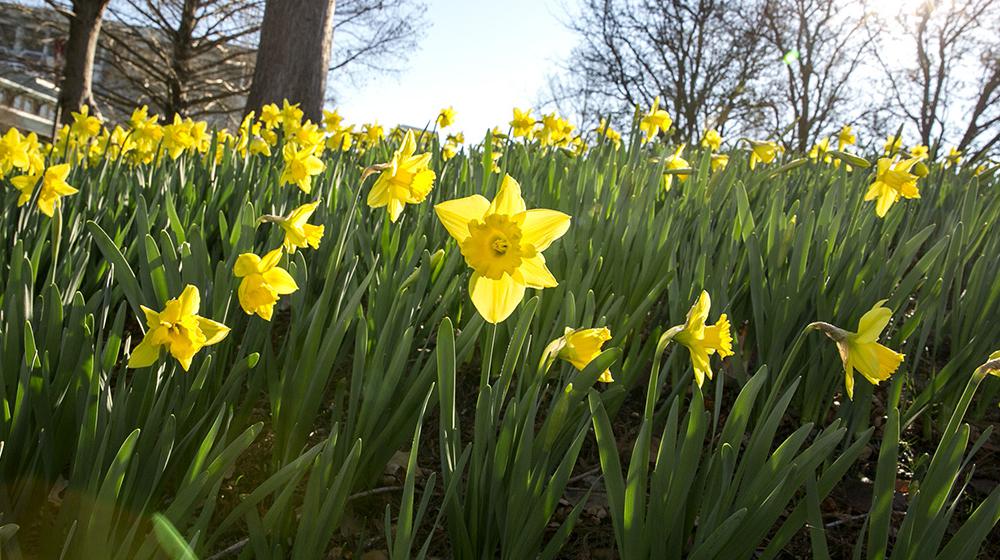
{"points": [[81, 47], [293, 56]]}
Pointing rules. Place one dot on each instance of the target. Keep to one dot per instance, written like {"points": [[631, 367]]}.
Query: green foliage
{"points": [[261, 446]]}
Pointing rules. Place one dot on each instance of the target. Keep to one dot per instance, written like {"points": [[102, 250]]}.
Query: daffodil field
{"points": [[217, 345]]}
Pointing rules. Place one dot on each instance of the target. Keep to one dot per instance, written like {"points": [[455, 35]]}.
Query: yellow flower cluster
{"points": [[502, 241]]}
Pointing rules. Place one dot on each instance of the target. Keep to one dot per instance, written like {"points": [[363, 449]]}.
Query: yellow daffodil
{"points": [[179, 329], [495, 156], [954, 157], [712, 140], [861, 350], [341, 139], [85, 126], [332, 120], [54, 187], [298, 233], [457, 138], [301, 165], [845, 137], [719, 161], [446, 117], [763, 152], [13, 152], [919, 151], [372, 133], [654, 121], [522, 123], [555, 130], [821, 151], [502, 242], [893, 181], [177, 137], [892, 144], [675, 161], [263, 281], [270, 115], [308, 135], [703, 340], [448, 150], [604, 129], [405, 180], [291, 116], [579, 347]]}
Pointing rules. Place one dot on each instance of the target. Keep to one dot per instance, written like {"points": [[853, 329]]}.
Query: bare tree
{"points": [[950, 89], [702, 57], [369, 37], [294, 57], [823, 44], [85, 17], [188, 57]]}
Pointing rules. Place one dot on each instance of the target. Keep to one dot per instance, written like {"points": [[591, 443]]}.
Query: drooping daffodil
{"points": [[861, 350], [579, 347], [703, 340]]}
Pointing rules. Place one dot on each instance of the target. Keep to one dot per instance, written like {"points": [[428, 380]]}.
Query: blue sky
{"points": [[481, 57]]}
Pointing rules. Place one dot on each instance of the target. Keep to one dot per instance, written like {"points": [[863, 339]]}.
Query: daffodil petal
{"points": [[873, 323], [535, 274], [495, 299], [246, 264], [214, 331], [456, 214], [508, 200], [281, 281], [190, 301], [541, 227], [143, 355]]}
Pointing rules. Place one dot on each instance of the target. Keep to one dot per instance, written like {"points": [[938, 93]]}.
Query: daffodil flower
{"points": [[178, 329], [54, 187], [712, 140], [446, 117], [954, 157], [763, 152], [263, 281], [845, 137], [301, 165], [85, 126], [502, 241], [298, 233], [522, 123], [893, 181], [673, 162], [604, 129], [405, 180], [719, 161], [919, 151], [13, 152], [821, 151], [270, 115], [703, 340], [654, 121], [579, 347], [332, 120], [860, 350]]}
